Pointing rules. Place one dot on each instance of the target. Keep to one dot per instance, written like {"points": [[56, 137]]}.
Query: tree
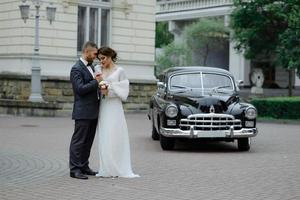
{"points": [[205, 35], [173, 55], [201, 36], [162, 35], [268, 29], [288, 51]]}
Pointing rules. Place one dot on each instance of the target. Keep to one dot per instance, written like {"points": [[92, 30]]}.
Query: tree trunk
{"points": [[290, 82], [205, 55]]}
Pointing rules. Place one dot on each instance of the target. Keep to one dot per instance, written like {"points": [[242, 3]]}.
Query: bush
{"points": [[278, 107]]}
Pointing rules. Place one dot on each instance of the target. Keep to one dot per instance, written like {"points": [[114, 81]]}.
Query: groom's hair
{"points": [[89, 44]]}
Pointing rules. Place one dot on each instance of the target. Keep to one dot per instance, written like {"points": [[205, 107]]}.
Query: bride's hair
{"points": [[107, 51]]}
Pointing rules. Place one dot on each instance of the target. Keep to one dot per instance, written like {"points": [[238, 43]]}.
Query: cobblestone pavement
{"points": [[34, 157]]}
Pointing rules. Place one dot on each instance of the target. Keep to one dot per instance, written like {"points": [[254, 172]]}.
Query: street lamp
{"points": [[35, 95], [24, 8], [51, 13]]}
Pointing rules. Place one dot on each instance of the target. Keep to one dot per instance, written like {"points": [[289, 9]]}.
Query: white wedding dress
{"points": [[113, 140]]}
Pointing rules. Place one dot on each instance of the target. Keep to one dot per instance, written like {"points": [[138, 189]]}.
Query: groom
{"points": [[85, 111]]}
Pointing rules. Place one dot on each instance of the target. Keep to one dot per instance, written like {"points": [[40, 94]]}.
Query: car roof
{"points": [[194, 69]]}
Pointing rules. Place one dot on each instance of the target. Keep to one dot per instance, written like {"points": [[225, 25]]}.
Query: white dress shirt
{"points": [[88, 67]]}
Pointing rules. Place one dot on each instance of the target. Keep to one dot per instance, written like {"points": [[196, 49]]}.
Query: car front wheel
{"points": [[167, 143], [244, 144]]}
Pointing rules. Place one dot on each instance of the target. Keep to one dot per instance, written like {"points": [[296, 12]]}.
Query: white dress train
{"points": [[113, 139]]}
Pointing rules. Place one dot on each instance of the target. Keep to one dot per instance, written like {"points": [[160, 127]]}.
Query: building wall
{"points": [[132, 34], [58, 96], [57, 40]]}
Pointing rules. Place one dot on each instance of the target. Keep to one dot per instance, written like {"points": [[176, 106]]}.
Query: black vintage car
{"points": [[200, 103]]}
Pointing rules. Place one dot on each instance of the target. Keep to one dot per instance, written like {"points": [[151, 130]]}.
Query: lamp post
{"points": [[35, 95]]}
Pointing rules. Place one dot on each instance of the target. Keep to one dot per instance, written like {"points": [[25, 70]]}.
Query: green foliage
{"points": [[162, 35], [266, 28], [288, 50], [202, 35], [205, 35], [173, 55], [278, 107], [257, 25]]}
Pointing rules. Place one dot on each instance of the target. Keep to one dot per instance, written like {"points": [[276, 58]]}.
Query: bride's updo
{"points": [[107, 51]]}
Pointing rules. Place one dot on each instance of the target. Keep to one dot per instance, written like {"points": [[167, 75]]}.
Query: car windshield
{"points": [[201, 83]]}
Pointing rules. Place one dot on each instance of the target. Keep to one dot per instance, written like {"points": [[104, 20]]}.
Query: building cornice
{"points": [[194, 13]]}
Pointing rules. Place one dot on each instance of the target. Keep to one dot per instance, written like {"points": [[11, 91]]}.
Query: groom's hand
{"points": [[98, 77]]}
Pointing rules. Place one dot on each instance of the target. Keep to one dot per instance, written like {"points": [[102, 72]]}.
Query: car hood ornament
{"points": [[212, 109]]}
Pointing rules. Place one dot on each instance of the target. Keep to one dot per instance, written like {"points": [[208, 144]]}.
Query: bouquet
{"points": [[103, 85]]}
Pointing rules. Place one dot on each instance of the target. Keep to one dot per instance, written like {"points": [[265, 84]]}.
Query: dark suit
{"points": [[85, 113]]}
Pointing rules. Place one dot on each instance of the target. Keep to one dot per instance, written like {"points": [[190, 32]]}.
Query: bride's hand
{"points": [[104, 92]]}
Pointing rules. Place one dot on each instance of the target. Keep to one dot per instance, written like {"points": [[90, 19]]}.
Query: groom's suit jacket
{"points": [[86, 92]]}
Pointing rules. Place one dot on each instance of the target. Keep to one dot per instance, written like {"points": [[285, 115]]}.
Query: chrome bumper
{"points": [[231, 133]]}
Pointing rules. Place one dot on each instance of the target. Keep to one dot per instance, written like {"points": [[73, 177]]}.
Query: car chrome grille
{"points": [[210, 122]]}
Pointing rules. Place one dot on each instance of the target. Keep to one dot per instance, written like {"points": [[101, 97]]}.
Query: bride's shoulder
{"points": [[121, 73], [120, 69]]}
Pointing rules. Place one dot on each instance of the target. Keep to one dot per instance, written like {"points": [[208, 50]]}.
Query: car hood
{"points": [[207, 104]]}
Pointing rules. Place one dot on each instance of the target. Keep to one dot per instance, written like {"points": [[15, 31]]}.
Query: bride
{"points": [[113, 140]]}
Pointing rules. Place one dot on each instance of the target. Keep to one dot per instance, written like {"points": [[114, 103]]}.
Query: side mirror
{"points": [[161, 89], [239, 83], [161, 85]]}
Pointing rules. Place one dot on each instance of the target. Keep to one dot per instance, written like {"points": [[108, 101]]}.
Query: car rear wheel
{"points": [[167, 143], [244, 144], [155, 135]]}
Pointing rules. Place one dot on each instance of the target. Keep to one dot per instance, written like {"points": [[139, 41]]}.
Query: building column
{"points": [[239, 66], [175, 29], [297, 81]]}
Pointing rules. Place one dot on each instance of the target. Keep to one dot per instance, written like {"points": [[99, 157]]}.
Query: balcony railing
{"points": [[165, 6]]}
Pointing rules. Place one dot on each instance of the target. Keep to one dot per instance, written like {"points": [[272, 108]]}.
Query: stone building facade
{"points": [[126, 25]]}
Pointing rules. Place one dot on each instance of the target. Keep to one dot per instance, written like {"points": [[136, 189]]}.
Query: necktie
{"points": [[91, 66]]}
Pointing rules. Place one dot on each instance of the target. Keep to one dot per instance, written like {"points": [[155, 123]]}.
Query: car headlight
{"points": [[171, 111], [251, 113]]}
